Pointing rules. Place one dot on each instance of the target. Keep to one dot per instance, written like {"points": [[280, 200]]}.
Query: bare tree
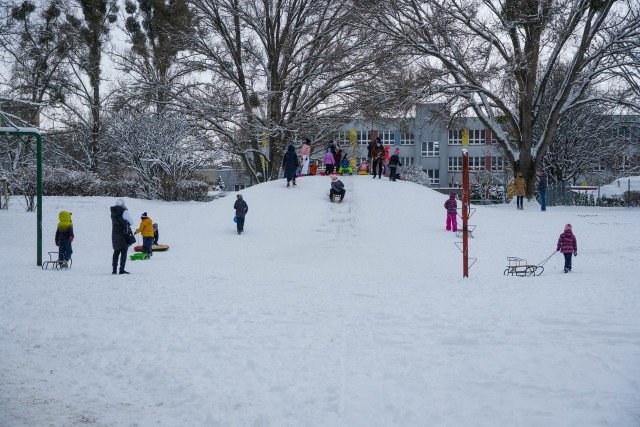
{"points": [[280, 71], [162, 149], [91, 34], [497, 59], [154, 68]]}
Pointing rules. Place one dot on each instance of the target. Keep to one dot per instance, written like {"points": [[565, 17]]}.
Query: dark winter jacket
{"points": [[377, 153], [567, 243], [337, 185], [65, 227], [290, 163], [119, 227], [241, 207], [451, 205], [542, 182], [394, 161]]}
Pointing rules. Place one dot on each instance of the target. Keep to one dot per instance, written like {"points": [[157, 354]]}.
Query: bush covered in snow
{"points": [[414, 173], [64, 182]]}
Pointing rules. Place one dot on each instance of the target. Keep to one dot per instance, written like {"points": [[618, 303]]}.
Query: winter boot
{"points": [[288, 184], [294, 183], [124, 272]]}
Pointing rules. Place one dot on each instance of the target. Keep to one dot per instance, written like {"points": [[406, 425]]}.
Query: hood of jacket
{"points": [[65, 219], [291, 148], [116, 211]]}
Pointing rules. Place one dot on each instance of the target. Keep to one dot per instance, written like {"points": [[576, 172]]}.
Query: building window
{"points": [[387, 137], [434, 175], [598, 167], [406, 161], [455, 137], [455, 164], [476, 163], [363, 137], [407, 138], [430, 149], [497, 164], [476, 136], [239, 187]]}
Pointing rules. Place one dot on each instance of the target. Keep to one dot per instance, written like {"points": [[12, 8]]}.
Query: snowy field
{"points": [[320, 314]]}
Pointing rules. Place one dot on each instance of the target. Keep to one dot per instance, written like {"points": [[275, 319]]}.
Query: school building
{"points": [[435, 143]]}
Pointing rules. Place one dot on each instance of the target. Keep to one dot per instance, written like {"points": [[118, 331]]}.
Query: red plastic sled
{"points": [[154, 248]]}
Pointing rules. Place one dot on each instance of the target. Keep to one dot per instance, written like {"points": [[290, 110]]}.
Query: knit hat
{"points": [[397, 151], [239, 196], [120, 202], [567, 227], [144, 215], [334, 178], [453, 195], [308, 141], [155, 225]]}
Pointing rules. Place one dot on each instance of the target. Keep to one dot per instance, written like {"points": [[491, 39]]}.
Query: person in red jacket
{"points": [[567, 244], [451, 206]]}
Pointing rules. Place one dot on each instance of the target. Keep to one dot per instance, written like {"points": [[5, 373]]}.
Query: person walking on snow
{"points": [[567, 244], [337, 188], [121, 222], [305, 152], [542, 189], [521, 187], [64, 237], [289, 165], [451, 206], [146, 231], [394, 162], [329, 162], [241, 208]]}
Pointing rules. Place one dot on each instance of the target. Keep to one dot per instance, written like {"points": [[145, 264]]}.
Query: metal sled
{"points": [[520, 267], [55, 264]]}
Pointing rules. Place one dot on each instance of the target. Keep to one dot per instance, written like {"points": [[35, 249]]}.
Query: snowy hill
{"points": [[321, 314]]}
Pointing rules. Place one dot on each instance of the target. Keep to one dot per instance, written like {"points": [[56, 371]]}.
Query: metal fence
{"points": [[624, 192]]}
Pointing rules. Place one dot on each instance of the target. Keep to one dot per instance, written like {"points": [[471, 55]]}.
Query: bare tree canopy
{"points": [[498, 58], [280, 71]]}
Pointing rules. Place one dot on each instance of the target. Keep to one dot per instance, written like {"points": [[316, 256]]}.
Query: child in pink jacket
{"points": [[567, 244], [451, 206]]}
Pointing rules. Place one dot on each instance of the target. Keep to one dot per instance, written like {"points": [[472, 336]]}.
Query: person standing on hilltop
{"points": [[305, 152], [289, 165]]}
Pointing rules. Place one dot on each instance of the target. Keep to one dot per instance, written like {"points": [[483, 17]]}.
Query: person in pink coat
{"points": [[567, 244], [329, 162], [305, 152], [451, 206]]}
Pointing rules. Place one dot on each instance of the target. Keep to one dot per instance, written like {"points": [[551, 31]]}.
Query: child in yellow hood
{"points": [[146, 230], [64, 237]]}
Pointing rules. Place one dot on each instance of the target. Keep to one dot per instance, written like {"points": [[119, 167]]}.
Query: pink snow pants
{"points": [[452, 222]]}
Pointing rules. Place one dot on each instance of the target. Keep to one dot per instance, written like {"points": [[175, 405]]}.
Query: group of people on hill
{"points": [[336, 161], [122, 237]]}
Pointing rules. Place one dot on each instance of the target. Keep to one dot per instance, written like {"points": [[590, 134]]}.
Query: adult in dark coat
{"points": [[241, 208], [119, 227], [542, 189], [290, 164]]}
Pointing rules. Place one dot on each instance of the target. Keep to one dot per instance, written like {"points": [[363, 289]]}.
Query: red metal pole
{"points": [[465, 213]]}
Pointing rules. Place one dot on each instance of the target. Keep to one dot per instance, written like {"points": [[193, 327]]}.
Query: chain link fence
{"points": [[623, 192]]}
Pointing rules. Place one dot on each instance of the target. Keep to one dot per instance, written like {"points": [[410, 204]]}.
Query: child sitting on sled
{"points": [[337, 189]]}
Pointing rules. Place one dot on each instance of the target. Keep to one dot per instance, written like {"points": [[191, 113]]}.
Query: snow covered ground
{"points": [[619, 186], [320, 314]]}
